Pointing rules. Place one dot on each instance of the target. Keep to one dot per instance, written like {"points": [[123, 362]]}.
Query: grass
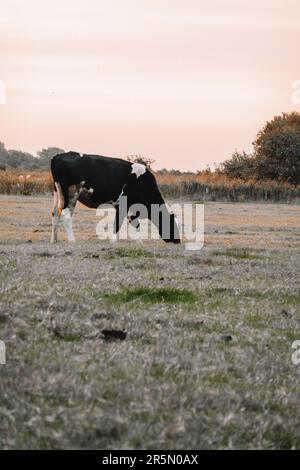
{"points": [[124, 252], [255, 320], [291, 299], [237, 254], [66, 336], [149, 295], [206, 362]]}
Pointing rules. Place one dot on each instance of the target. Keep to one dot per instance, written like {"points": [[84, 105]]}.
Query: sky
{"points": [[185, 82]]}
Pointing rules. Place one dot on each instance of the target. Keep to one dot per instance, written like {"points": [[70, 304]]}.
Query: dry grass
{"points": [[204, 187], [213, 372], [25, 183], [214, 187]]}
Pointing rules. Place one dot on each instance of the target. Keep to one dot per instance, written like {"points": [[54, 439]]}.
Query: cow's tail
{"points": [[53, 172], [58, 197]]}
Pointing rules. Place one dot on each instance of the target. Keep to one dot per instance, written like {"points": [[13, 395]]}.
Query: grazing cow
{"points": [[96, 180]]}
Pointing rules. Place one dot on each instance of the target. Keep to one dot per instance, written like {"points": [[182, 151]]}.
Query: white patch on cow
{"points": [[55, 224], [139, 169], [91, 191], [67, 220]]}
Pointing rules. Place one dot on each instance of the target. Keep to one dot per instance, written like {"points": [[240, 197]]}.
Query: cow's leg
{"points": [[121, 211], [134, 221], [60, 198], [66, 216], [67, 212], [55, 218]]}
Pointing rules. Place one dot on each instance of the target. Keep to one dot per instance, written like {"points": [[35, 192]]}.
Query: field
{"points": [[206, 361]]}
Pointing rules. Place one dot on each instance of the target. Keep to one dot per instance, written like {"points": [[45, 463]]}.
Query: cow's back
{"points": [[105, 175]]}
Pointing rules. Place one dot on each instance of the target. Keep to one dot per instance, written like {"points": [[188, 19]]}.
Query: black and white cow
{"points": [[94, 180]]}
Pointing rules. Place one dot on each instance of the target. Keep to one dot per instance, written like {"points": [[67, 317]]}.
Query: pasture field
{"points": [[206, 362]]}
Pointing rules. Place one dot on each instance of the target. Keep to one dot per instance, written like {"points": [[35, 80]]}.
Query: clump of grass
{"points": [[153, 295], [218, 379], [43, 254], [66, 336], [254, 320], [282, 438], [238, 254], [292, 299], [123, 252]]}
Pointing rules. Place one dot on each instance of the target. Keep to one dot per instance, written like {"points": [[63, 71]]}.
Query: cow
{"points": [[94, 180]]}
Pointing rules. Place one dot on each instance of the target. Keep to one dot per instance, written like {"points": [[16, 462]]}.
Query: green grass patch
{"points": [[218, 379], [66, 336], [291, 299], [123, 252], [254, 320], [43, 254], [149, 295], [238, 254], [282, 438]]}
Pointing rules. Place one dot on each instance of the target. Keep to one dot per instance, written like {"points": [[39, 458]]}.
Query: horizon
{"points": [[184, 83]]}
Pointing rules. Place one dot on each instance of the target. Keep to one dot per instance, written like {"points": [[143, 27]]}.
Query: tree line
{"points": [[18, 159], [276, 155]]}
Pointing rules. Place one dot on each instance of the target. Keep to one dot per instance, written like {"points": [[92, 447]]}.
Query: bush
{"points": [[277, 149], [241, 165]]}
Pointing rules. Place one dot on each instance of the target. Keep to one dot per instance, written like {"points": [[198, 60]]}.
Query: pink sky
{"points": [[185, 82]]}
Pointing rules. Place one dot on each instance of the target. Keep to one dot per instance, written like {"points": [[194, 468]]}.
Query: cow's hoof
{"points": [[113, 239]]}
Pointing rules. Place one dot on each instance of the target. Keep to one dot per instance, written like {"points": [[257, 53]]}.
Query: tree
{"points": [[277, 149], [46, 154], [19, 159], [16, 158], [3, 155], [140, 159], [240, 165]]}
